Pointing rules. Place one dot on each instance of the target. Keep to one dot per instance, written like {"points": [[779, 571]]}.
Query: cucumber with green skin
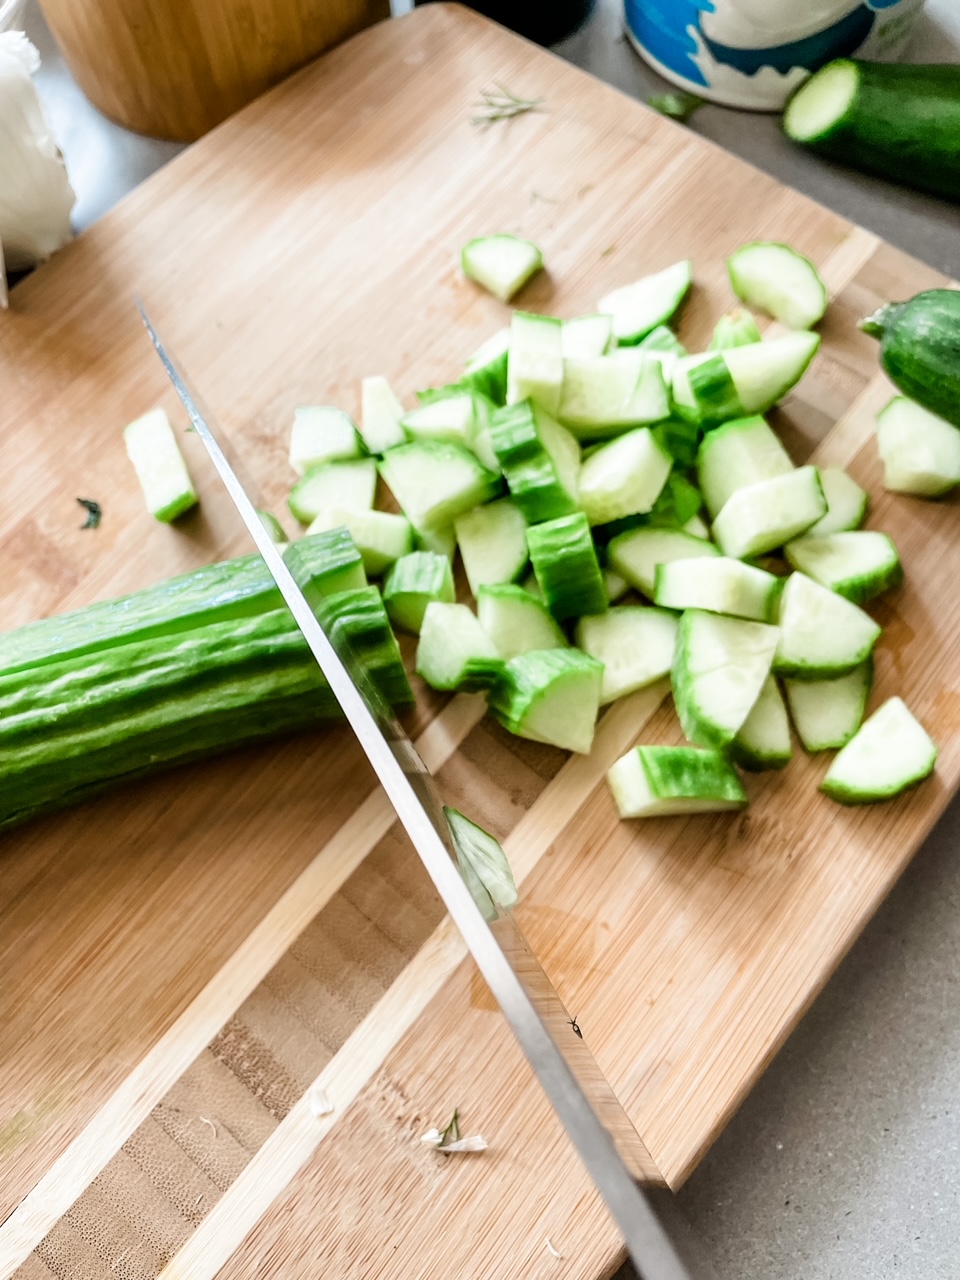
{"points": [[920, 347]]}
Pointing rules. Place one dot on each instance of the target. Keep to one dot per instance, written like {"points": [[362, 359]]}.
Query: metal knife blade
{"points": [[657, 1238]]}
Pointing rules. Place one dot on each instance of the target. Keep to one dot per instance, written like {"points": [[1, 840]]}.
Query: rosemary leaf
{"points": [[499, 103]]}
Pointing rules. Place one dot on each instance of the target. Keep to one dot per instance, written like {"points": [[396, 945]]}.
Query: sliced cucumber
{"points": [[735, 455], [347, 485], [450, 418], [637, 308], [680, 439], [455, 652], [435, 483], [605, 395], [890, 753], [516, 621], [380, 414], [584, 337], [846, 503], [565, 562], [718, 672], [736, 329], [380, 537], [718, 586], [493, 543], [485, 373], [653, 782], [637, 553], [780, 281], [502, 263], [414, 581], [483, 865], [325, 564], [857, 565], [552, 696], [769, 513], [827, 713], [535, 361], [624, 477], [153, 450], [321, 433], [540, 460], [662, 340], [697, 527], [635, 643], [919, 451], [821, 634], [615, 586], [442, 542], [763, 741], [741, 380]]}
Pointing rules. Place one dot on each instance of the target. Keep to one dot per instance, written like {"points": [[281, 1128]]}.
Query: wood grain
{"points": [[184, 960]]}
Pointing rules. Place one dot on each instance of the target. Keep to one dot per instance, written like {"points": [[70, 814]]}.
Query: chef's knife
{"points": [[657, 1239]]}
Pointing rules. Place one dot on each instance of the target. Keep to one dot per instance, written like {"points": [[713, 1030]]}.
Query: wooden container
{"points": [[176, 68]]}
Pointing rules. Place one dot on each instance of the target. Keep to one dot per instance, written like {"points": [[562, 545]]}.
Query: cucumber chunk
{"points": [[697, 527], [736, 329], [483, 865], [321, 433], [493, 543], [584, 337], [485, 373], [380, 537], [637, 308], [764, 738], [846, 503], [454, 651], [540, 461], [442, 542], [535, 360], [741, 380], [635, 643], [662, 340], [347, 485], [358, 627], [637, 553], [735, 455], [451, 418], [414, 581], [624, 477], [565, 562], [615, 586], [605, 395], [890, 753], [516, 621], [768, 514], [857, 565], [153, 450], [718, 672], [827, 713], [434, 483], [325, 564], [919, 451], [780, 281], [550, 695], [718, 586], [502, 263], [653, 782], [380, 414], [821, 634]]}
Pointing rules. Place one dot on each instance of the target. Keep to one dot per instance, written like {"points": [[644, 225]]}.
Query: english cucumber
{"points": [[550, 696], [454, 651], [434, 483], [763, 740], [483, 865], [516, 621], [153, 450], [769, 513], [493, 543], [414, 581], [718, 585], [736, 329], [565, 562], [381, 537], [846, 503], [737, 382], [321, 433], [380, 414], [585, 337], [827, 713], [719, 670], [624, 477], [635, 643], [920, 451], [653, 782], [737, 454], [638, 308], [890, 753], [920, 348], [606, 395], [821, 634], [857, 565], [637, 553], [485, 372], [350, 485], [535, 360], [540, 461]]}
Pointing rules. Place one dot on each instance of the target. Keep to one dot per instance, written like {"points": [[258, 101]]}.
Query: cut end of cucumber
{"points": [[890, 753], [652, 782], [778, 280], [818, 106]]}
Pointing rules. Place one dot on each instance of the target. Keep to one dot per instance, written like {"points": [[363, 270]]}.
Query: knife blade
{"points": [[657, 1238]]}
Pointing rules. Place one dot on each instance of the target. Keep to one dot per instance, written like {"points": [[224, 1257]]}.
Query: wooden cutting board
{"points": [[191, 966]]}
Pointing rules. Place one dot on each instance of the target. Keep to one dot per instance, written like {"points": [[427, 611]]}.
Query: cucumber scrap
{"points": [[153, 450], [919, 451], [502, 263]]}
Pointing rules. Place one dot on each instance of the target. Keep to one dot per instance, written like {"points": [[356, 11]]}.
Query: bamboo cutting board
{"points": [[193, 966]]}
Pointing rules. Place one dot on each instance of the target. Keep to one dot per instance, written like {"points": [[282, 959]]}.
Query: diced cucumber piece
{"points": [[584, 337], [516, 621], [637, 308], [763, 741], [321, 433], [736, 329], [274, 528], [919, 451], [889, 754], [821, 634], [486, 371], [483, 865], [778, 280], [493, 543], [450, 418], [719, 586], [605, 395], [624, 477], [535, 361], [157, 460], [662, 339], [741, 380], [380, 537], [769, 513], [502, 263], [442, 542], [565, 562], [550, 695], [454, 651], [735, 455], [325, 564], [697, 527], [637, 553], [635, 643], [349, 486], [615, 586], [680, 439], [857, 565], [846, 503], [434, 483], [540, 461], [718, 672], [380, 414], [414, 581], [480, 439], [654, 782], [827, 713], [532, 586], [357, 625]]}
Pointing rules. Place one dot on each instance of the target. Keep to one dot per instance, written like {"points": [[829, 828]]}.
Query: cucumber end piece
{"points": [[878, 324], [820, 104]]}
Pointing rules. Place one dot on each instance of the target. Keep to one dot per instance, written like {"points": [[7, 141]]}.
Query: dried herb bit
{"points": [[452, 1132], [94, 512], [678, 106], [499, 103], [572, 1022]]}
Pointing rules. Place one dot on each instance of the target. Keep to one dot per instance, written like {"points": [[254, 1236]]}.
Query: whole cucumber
{"points": [[920, 349]]}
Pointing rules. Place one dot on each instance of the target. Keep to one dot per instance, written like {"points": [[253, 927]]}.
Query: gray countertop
{"points": [[844, 1163]]}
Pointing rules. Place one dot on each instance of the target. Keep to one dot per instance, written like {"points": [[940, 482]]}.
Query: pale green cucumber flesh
{"points": [[890, 753], [454, 651], [350, 485], [624, 477], [160, 468], [493, 543], [780, 281], [821, 634], [535, 361], [481, 857], [827, 713], [846, 503], [718, 673], [635, 643], [858, 565], [651, 782], [381, 537], [380, 414], [763, 740], [638, 308], [737, 454], [550, 696], [501, 263], [414, 581], [435, 483], [637, 553], [769, 513], [321, 433], [920, 452], [718, 586], [516, 621]]}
